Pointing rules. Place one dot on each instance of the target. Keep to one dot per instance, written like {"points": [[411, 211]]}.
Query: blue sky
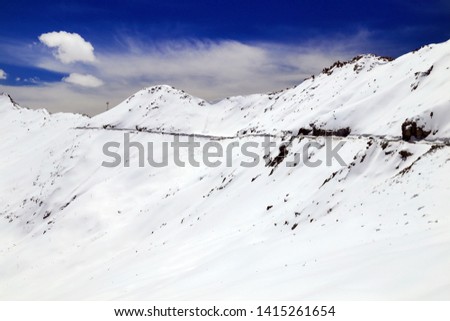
{"points": [[209, 48]]}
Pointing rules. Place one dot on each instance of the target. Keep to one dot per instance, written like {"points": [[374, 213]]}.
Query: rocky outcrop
{"points": [[283, 152], [314, 131], [410, 129], [341, 132]]}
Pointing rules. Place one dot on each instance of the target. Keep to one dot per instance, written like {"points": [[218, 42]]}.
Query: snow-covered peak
{"points": [[358, 63], [348, 94], [151, 106], [6, 102]]}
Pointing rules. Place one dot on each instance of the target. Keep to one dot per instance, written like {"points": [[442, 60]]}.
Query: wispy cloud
{"points": [[3, 74], [209, 69], [83, 80]]}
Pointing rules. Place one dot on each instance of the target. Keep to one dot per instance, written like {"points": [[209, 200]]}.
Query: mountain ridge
{"points": [[373, 227], [152, 107]]}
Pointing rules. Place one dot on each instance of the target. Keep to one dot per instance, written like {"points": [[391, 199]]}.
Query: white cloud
{"points": [[210, 70], [3, 74], [70, 47], [207, 69], [83, 80]]}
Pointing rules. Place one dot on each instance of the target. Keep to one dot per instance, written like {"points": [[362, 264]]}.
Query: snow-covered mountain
{"points": [[376, 227]]}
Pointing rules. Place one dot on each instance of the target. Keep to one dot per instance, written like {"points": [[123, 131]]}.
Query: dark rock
{"points": [[404, 154], [410, 129], [281, 156], [304, 131], [341, 132]]}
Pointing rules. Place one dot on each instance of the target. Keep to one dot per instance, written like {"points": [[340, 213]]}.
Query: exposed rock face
{"points": [[283, 152], [419, 76], [411, 129], [314, 131], [304, 131], [357, 67], [404, 154], [341, 132]]}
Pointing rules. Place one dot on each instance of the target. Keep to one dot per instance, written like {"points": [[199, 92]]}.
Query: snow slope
{"points": [[374, 228], [370, 95]]}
